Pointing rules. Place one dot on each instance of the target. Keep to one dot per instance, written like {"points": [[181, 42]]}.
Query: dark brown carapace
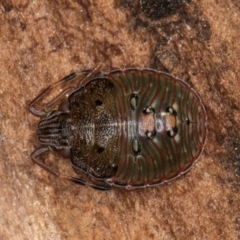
{"points": [[128, 128]]}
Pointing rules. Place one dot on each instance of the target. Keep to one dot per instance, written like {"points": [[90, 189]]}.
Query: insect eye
{"points": [[63, 106], [65, 152]]}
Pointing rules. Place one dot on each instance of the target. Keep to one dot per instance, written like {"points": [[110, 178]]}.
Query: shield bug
{"points": [[128, 128]]}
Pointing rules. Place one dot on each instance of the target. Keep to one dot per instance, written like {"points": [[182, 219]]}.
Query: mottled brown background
{"points": [[42, 41]]}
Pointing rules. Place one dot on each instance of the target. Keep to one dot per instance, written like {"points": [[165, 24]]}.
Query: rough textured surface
{"points": [[42, 41]]}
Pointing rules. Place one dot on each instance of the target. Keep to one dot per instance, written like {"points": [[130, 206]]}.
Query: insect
{"points": [[129, 128]]}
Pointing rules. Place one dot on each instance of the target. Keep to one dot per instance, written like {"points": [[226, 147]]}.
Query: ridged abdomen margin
{"points": [[162, 157], [127, 126]]}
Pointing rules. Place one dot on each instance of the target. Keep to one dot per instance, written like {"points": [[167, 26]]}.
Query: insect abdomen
{"points": [[175, 132]]}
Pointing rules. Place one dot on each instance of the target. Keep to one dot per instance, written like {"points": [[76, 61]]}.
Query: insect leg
{"points": [[80, 77], [35, 159], [76, 180], [90, 74], [41, 110], [98, 186]]}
